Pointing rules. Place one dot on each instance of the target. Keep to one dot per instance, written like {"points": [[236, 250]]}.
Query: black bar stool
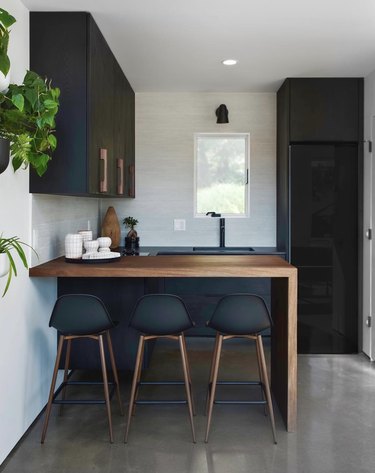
{"points": [[160, 316], [82, 316], [239, 316]]}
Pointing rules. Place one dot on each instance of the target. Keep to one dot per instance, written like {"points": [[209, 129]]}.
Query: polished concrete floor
{"points": [[336, 424]]}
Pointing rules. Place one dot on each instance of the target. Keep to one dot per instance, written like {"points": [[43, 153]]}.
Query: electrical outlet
{"points": [[179, 224]]}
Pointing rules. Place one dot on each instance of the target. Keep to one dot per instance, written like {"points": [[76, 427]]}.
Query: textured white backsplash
{"points": [[165, 127], [55, 216]]}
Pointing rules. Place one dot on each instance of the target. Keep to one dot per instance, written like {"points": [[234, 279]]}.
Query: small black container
{"points": [[4, 154], [131, 244]]}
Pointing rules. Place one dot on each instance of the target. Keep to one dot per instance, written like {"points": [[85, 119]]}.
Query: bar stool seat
{"points": [[160, 316], [82, 316], [240, 316]]}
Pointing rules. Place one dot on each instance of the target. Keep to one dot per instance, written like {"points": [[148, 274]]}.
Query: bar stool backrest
{"points": [[80, 314], [160, 314], [240, 314]]}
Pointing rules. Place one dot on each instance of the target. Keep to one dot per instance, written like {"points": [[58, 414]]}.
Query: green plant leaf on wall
{"points": [[6, 19], [52, 141], [18, 101], [32, 96], [27, 119], [4, 63], [7, 245]]}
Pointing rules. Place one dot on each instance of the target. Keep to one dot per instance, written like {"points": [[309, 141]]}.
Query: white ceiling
{"points": [[175, 45]]}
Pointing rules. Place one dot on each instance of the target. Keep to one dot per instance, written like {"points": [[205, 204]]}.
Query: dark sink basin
{"points": [[219, 250], [210, 250]]}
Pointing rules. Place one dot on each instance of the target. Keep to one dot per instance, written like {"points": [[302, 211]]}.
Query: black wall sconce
{"points": [[222, 114]]}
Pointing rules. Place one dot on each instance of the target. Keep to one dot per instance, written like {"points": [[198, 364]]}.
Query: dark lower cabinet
{"points": [[324, 245], [95, 155]]}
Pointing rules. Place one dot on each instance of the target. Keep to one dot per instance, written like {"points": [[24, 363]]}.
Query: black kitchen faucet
{"points": [[221, 228]]}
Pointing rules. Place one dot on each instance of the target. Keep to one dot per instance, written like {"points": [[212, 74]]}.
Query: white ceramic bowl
{"points": [[104, 242], [91, 245], [104, 250]]}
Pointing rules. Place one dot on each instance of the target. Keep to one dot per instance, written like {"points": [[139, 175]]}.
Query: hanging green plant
{"points": [[7, 262], [27, 120], [6, 21]]}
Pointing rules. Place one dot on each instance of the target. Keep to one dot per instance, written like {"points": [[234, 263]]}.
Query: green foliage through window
{"points": [[221, 174]]}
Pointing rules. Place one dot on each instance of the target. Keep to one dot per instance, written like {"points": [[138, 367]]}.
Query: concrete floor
{"points": [[336, 424]]}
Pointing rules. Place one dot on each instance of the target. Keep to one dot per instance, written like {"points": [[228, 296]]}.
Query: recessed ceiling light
{"points": [[229, 62]]}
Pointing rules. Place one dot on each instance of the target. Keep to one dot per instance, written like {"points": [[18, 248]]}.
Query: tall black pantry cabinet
{"points": [[319, 199]]}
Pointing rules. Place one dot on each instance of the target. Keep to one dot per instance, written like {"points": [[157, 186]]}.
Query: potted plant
{"points": [[131, 239], [7, 263], [131, 222], [6, 21], [27, 120]]}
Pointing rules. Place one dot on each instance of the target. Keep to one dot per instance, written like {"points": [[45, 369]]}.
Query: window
{"points": [[222, 174]]}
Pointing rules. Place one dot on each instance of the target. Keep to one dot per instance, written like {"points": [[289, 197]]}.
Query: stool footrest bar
{"points": [[160, 401], [239, 402], [161, 383], [238, 383]]}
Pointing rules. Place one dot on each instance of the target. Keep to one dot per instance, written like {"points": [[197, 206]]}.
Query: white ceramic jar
{"points": [[86, 235], [73, 245]]}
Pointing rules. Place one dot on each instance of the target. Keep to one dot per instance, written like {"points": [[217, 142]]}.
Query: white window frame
{"points": [[247, 148]]}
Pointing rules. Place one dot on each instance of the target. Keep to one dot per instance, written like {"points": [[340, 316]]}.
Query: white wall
{"points": [[27, 344], [165, 127]]}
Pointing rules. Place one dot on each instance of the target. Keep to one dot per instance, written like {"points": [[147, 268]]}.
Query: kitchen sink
{"points": [[226, 249], [210, 250]]}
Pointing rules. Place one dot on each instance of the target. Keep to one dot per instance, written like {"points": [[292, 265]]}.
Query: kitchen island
{"points": [[120, 283]]}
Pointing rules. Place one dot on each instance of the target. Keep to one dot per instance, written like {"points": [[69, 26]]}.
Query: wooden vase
{"points": [[111, 227]]}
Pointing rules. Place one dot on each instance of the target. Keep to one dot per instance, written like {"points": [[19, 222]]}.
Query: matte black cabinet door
{"points": [[324, 109], [58, 44], [324, 242], [95, 124], [101, 116], [119, 138]]}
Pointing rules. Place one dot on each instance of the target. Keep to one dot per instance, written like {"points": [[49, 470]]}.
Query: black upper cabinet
{"points": [[95, 124], [324, 109]]}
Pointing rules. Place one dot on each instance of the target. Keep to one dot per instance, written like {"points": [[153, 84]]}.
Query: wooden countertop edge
{"points": [[172, 266]]}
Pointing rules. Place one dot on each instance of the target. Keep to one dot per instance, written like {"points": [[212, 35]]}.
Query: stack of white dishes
{"points": [[94, 249]]}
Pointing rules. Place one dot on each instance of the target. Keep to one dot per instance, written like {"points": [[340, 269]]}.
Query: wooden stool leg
{"points": [[213, 387], [266, 385], [189, 373], [105, 383], [135, 383], [261, 376], [114, 370], [211, 372], [138, 379], [187, 384], [52, 388], [66, 369]]}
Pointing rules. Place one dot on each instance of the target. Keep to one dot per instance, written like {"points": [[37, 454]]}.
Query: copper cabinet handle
{"points": [[132, 180], [120, 176], [104, 182]]}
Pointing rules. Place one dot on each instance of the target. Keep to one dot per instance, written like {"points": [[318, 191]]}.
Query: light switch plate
{"points": [[179, 224]]}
